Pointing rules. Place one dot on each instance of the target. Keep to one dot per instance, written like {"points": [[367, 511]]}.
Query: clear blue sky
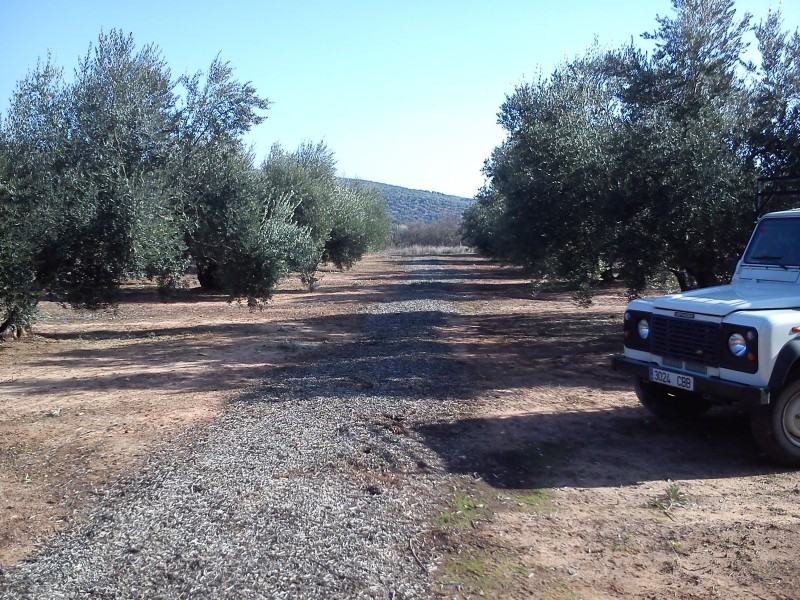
{"points": [[404, 92]]}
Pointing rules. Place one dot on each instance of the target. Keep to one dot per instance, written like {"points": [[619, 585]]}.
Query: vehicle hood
{"points": [[726, 299]]}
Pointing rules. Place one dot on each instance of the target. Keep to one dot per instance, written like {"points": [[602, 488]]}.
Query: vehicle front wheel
{"points": [[669, 403], [776, 426]]}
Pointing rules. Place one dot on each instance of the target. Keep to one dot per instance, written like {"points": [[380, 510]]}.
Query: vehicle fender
{"points": [[788, 357]]}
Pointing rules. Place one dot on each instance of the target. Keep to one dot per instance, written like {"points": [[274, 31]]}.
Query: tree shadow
{"points": [[425, 353], [392, 352], [597, 448]]}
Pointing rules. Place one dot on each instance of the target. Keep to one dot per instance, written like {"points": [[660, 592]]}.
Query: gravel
{"points": [[315, 486]]}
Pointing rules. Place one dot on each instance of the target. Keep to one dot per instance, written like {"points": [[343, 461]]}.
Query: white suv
{"points": [[731, 343]]}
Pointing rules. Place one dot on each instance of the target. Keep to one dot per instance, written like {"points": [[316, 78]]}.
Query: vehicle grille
{"points": [[695, 341]]}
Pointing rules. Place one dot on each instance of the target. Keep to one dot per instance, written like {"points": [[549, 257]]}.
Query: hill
{"points": [[415, 206]]}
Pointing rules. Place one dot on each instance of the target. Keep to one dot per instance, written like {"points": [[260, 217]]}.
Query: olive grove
{"points": [[125, 171], [644, 164]]}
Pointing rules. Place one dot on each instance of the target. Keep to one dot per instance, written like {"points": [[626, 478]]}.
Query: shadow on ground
{"points": [[437, 355], [597, 448]]}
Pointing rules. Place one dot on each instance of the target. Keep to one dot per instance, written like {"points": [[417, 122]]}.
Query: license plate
{"points": [[684, 382]]}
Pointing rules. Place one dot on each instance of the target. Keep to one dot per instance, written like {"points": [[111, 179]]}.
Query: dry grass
{"points": [[417, 250]]}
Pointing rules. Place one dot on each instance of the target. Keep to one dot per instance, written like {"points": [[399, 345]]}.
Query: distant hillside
{"points": [[415, 206]]}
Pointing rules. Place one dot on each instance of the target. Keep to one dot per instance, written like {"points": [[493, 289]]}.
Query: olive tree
{"points": [[774, 133], [641, 163], [125, 172], [256, 241], [211, 167], [345, 220], [32, 171], [549, 179], [360, 223], [116, 206], [681, 153]]}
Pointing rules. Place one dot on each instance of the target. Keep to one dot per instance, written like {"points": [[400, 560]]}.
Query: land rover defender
{"points": [[735, 343]]}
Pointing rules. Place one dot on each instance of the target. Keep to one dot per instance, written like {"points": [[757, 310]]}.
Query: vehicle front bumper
{"points": [[707, 386]]}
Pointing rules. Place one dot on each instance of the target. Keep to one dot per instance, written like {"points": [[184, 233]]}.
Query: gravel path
{"points": [[314, 487]]}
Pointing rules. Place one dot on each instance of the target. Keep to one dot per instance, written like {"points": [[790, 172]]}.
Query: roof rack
{"points": [[769, 188]]}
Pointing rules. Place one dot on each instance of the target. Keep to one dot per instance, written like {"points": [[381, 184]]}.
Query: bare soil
{"points": [[560, 485]]}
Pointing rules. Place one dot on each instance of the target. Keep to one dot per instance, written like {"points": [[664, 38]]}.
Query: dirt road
{"points": [[535, 472]]}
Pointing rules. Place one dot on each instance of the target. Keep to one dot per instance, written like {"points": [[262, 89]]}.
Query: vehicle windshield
{"points": [[775, 242]]}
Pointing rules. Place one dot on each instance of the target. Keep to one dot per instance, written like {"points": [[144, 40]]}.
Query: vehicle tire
{"points": [[776, 426], [669, 404]]}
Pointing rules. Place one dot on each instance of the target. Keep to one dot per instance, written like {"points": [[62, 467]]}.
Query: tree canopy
{"points": [[127, 172], [644, 164]]}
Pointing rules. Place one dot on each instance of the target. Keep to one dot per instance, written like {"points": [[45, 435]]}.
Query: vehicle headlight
{"points": [[737, 345], [644, 329]]}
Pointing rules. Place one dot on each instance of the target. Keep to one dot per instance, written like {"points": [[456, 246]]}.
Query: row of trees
{"points": [[125, 172], [644, 164]]}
